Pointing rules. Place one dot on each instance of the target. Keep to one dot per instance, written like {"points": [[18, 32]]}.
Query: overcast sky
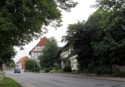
{"points": [[81, 12]]}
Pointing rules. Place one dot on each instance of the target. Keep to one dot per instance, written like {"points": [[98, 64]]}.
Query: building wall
{"points": [[19, 66], [73, 61], [36, 52], [6, 67], [23, 65], [64, 59]]}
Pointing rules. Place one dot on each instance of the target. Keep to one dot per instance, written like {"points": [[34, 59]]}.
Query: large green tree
{"points": [[80, 39], [98, 42], [21, 20], [49, 57], [10, 63], [7, 53], [116, 8]]}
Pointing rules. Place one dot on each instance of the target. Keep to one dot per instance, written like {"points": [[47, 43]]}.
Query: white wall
{"points": [[74, 63], [73, 60], [19, 66]]}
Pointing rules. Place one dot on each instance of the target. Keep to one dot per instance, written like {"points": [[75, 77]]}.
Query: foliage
{"points": [[67, 69], [8, 82], [98, 42], [21, 20], [56, 70], [11, 63], [46, 70], [60, 70], [80, 42], [111, 4], [66, 4], [102, 69], [6, 54], [49, 58], [116, 8], [53, 71], [31, 66]]}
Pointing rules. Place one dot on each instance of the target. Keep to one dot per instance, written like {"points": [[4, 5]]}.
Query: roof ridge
{"points": [[42, 42], [22, 58]]}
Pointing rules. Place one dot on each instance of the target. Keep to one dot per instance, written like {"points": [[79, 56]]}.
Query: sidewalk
{"points": [[89, 77]]}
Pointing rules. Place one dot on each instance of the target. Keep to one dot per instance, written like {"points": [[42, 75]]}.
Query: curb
{"points": [[89, 77]]}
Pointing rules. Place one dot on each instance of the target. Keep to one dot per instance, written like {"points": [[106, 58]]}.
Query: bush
{"points": [[30, 64], [101, 70], [25, 70], [60, 70], [67, 69], [46, 70], [53, 71], [56, 70], [37, 69]]}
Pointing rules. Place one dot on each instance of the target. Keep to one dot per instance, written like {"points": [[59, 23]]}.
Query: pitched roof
{"points": [[23, 59], [42, 42]]}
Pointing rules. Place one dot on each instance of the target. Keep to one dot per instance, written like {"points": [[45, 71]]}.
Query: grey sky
{"points": [[81, 12]]}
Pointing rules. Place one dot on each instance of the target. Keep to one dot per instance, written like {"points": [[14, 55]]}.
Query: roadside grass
{"points": [[8, 82]]}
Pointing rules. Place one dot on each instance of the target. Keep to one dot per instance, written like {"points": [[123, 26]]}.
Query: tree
{"points": [[111, 4], [113, 26], [6, 56], [98, 42], [21, 20], [31, 66], [10, 63], [116, 8], [79, 42], [49, 58], [109, 49]]}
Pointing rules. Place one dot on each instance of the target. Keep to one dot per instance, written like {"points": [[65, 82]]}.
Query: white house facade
{"points": [[67, 60], [18, 66], [74, 63], [36, 51]]}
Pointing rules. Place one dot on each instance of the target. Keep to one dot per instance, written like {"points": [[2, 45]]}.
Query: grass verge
{"points": [[8, 82]]}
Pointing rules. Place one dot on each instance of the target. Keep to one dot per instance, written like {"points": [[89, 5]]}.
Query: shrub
{"points": [[25, 70], [67, 69], [60, 70], [37, 69], [101, 70], [46, 70], [53, 71], [31, 66]]}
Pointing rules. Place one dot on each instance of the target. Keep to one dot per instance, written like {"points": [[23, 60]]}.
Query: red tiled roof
{"points": [[23, 59], [42, 42]]}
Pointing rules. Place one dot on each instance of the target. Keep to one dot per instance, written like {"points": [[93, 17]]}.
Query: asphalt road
{"points": [[48, 80]]}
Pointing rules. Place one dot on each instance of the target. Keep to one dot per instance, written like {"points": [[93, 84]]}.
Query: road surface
{"points": [[48, 80]]}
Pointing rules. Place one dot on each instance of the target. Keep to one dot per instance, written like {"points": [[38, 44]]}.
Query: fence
{"points": [[2, 75]]}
